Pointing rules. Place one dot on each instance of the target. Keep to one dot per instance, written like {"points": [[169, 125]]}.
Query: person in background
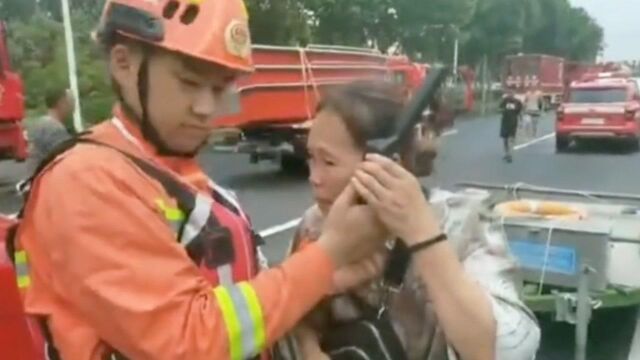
{"points": [[532, 112], [511, 109], [49, 130], [460, 295]]}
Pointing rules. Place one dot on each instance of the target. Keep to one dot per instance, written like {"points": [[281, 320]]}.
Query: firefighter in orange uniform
{"points": [[126, 249]]}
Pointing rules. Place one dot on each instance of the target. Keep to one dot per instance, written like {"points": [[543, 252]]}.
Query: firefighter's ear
{"points": [[124, 65], [124, 59]]}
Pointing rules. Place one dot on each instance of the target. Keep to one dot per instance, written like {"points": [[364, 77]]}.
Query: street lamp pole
{"points": [[456, 48], [71, 64]]}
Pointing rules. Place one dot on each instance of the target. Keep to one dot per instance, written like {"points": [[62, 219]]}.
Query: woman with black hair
{"points": [[459, 297]]}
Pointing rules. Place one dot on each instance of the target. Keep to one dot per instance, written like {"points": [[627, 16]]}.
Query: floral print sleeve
{"points": [[484, 253]]}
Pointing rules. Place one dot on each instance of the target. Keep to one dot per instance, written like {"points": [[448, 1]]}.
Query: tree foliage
{"points": [[423, 29], [38, 52]]}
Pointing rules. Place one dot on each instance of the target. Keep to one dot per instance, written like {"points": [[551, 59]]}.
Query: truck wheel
{"points": [[293, 164], [562, 144]]}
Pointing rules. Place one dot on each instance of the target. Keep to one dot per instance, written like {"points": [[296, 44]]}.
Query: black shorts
{"points": [[508, 127]]}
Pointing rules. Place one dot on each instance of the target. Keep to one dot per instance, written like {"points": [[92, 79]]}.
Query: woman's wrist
{"points": [[421, 234], [427, 243]]}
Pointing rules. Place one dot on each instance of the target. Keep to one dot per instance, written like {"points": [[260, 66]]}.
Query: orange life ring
{"points": [[545, 209]]}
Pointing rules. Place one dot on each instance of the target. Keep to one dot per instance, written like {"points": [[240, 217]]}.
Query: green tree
{"points": [[554, 27], [415, 26], [17, 9], [38, 52], [281, 22], [90, 8], [498, 28], [566, 31], [345, 22], [427, 29]]}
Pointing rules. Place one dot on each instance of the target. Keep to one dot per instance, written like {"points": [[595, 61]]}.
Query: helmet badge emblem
{"points": [[237, 39]]}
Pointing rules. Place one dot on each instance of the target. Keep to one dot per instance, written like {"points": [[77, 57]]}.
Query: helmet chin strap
{"points": [[149, 132]]}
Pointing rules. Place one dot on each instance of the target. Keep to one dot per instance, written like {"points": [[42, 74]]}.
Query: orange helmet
{"points": [[210, 30]]}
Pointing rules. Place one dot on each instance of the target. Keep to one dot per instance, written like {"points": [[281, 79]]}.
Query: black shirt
{"points": [[511, 108]]}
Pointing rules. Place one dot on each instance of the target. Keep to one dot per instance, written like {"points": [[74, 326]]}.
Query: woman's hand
{"points": [[396, 196]]}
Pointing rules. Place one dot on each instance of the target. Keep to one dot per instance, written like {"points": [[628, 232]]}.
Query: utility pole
{"points": [[71, 64], [456, 49], [484, 84]]}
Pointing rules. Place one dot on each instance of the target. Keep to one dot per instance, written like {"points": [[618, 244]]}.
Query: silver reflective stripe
{"points": [[46, 351], [225, 275], [248, 330], [376, 333], [21, 263], [230, 197], [175, 226], [197, 219], [22, 269], [124, 132], [243, 316], [352, 351]]}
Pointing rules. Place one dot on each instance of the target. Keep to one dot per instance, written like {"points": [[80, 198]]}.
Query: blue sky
{"points": [[621, 22]]}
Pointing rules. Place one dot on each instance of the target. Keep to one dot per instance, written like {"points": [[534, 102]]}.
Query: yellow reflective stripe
{"points": [[24, 281], [255, 309], [20, 257], [231, 321], [22, 269], [170, 213], [243, 318], [244, 10]]}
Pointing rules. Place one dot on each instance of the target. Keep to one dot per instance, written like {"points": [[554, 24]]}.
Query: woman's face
{"points": [[333, 158]]}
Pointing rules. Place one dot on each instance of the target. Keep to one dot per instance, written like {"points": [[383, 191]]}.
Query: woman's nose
{"points": [[315, 177]]}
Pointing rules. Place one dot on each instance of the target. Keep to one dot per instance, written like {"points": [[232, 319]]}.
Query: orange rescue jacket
{"points": [[101, 257]]}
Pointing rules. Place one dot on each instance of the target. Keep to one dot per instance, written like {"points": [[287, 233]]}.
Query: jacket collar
{"points": [[187, 168]]}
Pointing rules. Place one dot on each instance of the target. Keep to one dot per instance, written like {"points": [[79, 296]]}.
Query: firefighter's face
{"points": [[185, 96], [333, 158]]}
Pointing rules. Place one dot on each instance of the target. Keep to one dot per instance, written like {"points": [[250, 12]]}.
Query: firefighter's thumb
{"points": [[347, 198]]}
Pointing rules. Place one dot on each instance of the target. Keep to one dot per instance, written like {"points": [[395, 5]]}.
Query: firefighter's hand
{"points": [[309, 344], [397, 198], [352, 230], [354, 275]]}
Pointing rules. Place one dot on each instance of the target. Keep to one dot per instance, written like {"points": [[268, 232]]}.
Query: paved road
{"points": [[473, 153]]}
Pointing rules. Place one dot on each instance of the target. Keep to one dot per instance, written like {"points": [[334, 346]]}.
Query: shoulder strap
{"points": [[175, 188]]}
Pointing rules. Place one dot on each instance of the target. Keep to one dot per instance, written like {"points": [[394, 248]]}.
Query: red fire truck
{"points": [[13, 141], [279, 99], [535, 72]]}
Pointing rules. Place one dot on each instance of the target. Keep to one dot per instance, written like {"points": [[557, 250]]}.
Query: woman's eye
{"points": [[218, 89], [189, 82]]}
